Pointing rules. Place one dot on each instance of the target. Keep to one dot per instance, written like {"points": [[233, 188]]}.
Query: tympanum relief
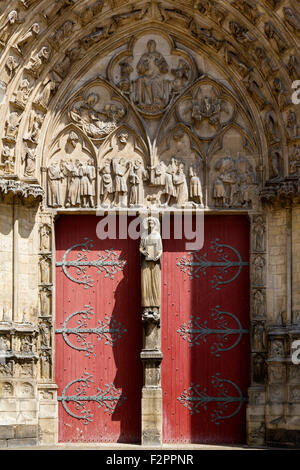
{"points": [[153, 131]]}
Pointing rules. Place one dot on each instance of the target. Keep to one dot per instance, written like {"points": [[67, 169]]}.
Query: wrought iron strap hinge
{"points": [[192, 264], [108, 329], [193, 398], [109, 398], [109, 263]]}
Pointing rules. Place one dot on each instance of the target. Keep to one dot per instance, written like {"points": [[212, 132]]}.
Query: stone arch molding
{"points": [[224, 72]]}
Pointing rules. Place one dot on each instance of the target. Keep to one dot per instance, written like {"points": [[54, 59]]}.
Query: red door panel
{"points": [[205, 338], [98, 334]]}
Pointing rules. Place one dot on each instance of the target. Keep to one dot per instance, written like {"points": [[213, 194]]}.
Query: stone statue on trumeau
{"points": [[151, 250]]}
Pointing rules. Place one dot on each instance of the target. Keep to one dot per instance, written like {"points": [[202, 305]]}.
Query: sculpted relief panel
{"points": [[155, 131]]}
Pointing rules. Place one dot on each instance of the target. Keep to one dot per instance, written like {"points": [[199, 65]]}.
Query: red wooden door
{"points": [[205, 339], [98, 334]]}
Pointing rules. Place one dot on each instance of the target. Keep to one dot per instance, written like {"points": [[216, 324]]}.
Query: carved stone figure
{"points": [[235, 183], [55, 176], [26, 345], [11, 65], [6, 28], [12, 125], [87, 175], [240, 33], [233, 57], [258, 304], [87, 13], [212, 9], [266, 64], [158, 174], [120, 169], [49, 86], [45, 271], [97, 123], [62, 33], [259, 368], [30, 162], [292, 18], [258, 274], [137, 176], [181, 76], [8, 159], [280, 92], [248, 8], [35, 122], [195, 187], [271, 126], [45, 335], [45, 297], [106, 183], [275, 164], [292, 125], [259, 236], [275, 36], [125, 71], [169, 189], [258, 337], [295, 160], [277, 348], [55, 8], [71, 171], [38, 60], [294, 67], [45, 238], [151, 251], [28, 37], [254, 86], [23, 92], [205, 35], [181, 187], [206, 107], [151, 91]]}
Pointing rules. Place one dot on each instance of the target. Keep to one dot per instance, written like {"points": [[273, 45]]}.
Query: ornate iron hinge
{"points": [[109, 398], [193, 331], [109, 263], [193, 398], [193, 263], [108, 329]]}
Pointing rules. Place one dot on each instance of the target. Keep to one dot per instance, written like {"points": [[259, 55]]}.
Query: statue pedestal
{"points": [[151, 398]]}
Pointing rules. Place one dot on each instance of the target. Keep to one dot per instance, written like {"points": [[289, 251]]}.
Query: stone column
{"points": [[151, 355]]}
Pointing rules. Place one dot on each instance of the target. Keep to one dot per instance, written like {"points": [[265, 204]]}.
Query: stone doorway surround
{"points": [[147, 105]]}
